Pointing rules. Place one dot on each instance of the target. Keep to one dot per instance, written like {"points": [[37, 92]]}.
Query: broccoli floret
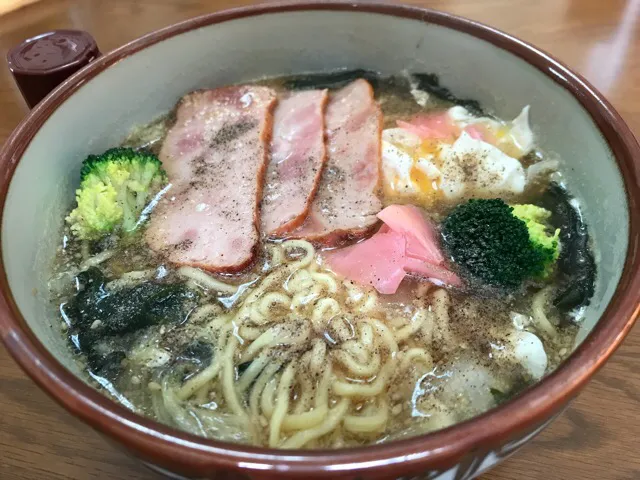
{"points": [[536, 219], [115, 187], [498, 244], [97, 212]]}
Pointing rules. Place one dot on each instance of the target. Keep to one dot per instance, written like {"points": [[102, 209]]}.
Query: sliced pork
{"points": [[215, 156], [346, 202], [298, 156]]}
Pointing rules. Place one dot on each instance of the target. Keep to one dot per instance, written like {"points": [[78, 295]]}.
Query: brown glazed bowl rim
{"points": [[186, 452]]}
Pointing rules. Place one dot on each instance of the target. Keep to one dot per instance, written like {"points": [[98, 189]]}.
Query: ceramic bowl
{"points": [[94, 109]]}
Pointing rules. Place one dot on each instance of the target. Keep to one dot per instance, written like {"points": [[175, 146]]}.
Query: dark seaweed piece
{"points": [[104, 243], [91, 291], [338, 79], [87, 339], [243, 367], [498, 395], [576, 265], [197, 352], [107, 366], [95, 313], [194, 357], [332, 80], [519, 386], [430, 83], [141, 306]]}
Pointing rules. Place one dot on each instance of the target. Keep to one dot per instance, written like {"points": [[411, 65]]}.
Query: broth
{"points": [[288, 353]]}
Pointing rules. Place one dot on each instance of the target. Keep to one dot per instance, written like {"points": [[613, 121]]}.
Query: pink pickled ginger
{"points": [[436, 273], [421, 234], [438, 126], [406, 243], [378, 261]]}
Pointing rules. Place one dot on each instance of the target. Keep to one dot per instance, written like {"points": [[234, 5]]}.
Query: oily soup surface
{"points": [[290, 354]]}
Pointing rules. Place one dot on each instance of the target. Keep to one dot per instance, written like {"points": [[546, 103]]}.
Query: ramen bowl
{"points": [[96, 106]]}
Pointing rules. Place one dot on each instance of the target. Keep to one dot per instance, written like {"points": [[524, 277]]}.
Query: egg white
{"points": [[429, 170]]}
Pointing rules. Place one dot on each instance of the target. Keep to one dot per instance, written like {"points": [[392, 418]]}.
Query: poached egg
{"points": [[452, 155]]}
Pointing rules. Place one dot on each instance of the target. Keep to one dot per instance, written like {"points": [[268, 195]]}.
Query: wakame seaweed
{"points": [[105, 365], [332, 80], [516, 389], [95, 312], [576, 265], [428, 82]]}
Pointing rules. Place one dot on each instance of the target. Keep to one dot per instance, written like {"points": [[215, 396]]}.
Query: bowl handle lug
{"points": [[41, 63]]}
